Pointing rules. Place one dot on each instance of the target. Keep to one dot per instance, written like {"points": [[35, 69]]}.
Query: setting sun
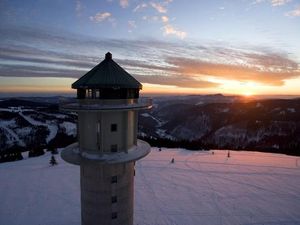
{"points": [[247, 94]]}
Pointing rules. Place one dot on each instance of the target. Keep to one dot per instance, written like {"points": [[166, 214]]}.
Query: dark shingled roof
{"points": [[107, 74]]}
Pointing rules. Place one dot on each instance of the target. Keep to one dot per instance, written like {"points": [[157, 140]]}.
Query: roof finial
{"points": [[108, 55]]}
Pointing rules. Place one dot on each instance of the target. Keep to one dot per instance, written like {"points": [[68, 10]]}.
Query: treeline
{"points": [[168, 143], [290, 148], [11, 154], [36, 148], [14, 153]]}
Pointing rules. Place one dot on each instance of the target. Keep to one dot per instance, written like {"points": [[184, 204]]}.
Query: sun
{"points": [[247, 94]]}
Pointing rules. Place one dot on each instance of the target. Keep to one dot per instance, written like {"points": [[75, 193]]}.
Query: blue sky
{"points": [[172, 46]]}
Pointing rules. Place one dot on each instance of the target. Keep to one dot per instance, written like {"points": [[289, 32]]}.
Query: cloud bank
{"points": [[180, 64]]}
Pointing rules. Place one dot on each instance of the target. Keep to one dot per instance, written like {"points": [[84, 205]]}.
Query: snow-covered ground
{"points": [[70, 128], [249, 188], [12, 136], [50, 125]]}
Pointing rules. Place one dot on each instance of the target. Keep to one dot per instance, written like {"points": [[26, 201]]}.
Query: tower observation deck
{"points": [[107, 105]]}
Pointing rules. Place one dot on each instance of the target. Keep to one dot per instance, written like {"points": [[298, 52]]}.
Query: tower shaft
{"points": [[107, 194]]}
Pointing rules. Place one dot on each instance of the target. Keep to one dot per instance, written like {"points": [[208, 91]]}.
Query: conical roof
{"points": [[107, 74]]}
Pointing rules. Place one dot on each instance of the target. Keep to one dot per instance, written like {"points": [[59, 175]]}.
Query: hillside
{"points": [[29, 125], [264, 125], [195, 122], [199, 188]]}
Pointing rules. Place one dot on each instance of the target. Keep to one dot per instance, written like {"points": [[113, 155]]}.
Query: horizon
{"points": [[247, 48], [150, 95]]}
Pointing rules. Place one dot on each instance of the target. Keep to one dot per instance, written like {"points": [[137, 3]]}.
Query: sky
{"points": [[245, 47]]}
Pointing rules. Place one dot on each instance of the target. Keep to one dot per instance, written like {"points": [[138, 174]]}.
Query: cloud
{"points": [[279, 2], [100, 17], [78, 8], [124, 3], [165, 19], [150, 18], [159, 8], [139, 7], [152, 61], [132, 25], [266, 69], [294, 13], [273, 2], [177, 80], [170, 30]]}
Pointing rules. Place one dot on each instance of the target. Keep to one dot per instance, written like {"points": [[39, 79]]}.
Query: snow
{"points": [[145, 115], [249, 188], [23, 132], [70, 128], [15, 109], [31, 121], [11, 122], [199, 103], [258, 105], [225, 110], [292, 110], [53, 131], [50, 125], [59, 116], [162, 133], [5, 110], [282, 112], [159, 122], [10, 134]]}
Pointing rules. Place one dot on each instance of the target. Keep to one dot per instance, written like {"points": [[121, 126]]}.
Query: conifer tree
{"points": [[53, 161]]}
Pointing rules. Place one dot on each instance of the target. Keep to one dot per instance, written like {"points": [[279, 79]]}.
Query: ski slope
{"points": [[50, 125], [249, 188]]}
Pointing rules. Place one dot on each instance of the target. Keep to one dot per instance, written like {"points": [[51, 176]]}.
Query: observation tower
{"points": [[107, 105]]}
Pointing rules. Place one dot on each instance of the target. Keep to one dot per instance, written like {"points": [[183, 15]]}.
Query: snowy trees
{"points": [[12, 154], [36, 151]]}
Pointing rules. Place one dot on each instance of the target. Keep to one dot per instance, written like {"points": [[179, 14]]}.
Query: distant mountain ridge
{"points": [[231, 123], [211, 121]]}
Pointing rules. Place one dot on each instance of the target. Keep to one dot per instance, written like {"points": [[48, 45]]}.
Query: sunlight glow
{"points": [[247, 94]]}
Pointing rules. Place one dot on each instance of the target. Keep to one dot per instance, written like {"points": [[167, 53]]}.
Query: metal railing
{"points": [[69, 104]]}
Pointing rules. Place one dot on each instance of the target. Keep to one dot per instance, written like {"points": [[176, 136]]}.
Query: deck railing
{"points": [[69, 104]]}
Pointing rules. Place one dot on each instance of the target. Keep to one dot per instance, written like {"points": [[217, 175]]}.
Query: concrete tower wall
{"points": [[132, 128], [107, 107], [106, 129], [107, 194], [87, 130]]}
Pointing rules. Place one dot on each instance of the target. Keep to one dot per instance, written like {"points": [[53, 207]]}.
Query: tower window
{"points": [[89, 93], [114, 199], [114, 148], [113, 127], [114, 179], [97, 93], [114, 215]]}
